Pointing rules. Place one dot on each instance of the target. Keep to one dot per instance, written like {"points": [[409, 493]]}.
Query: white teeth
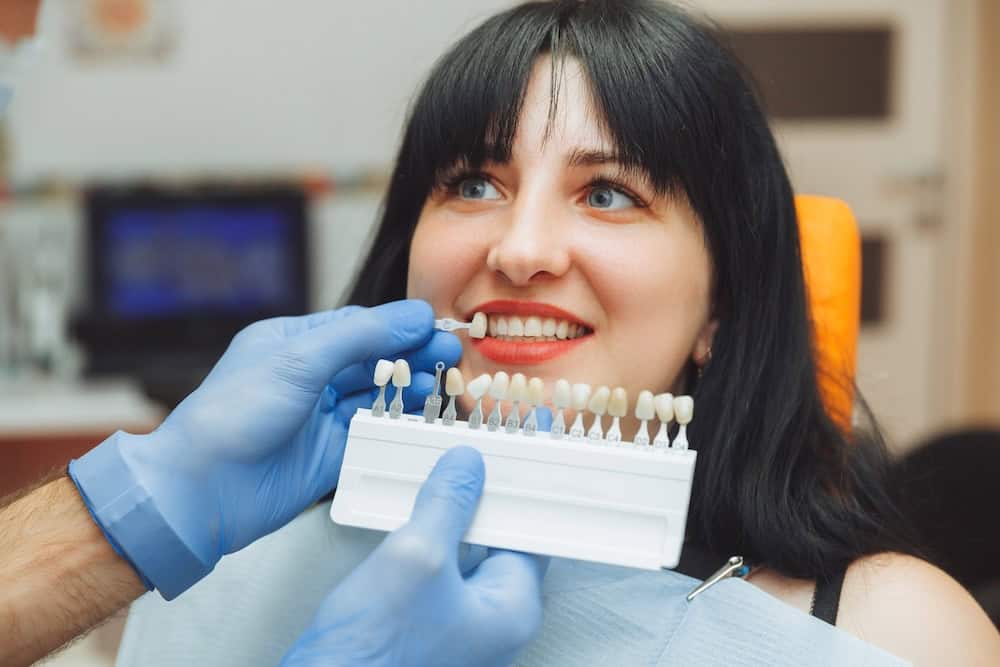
{"points": [[536, 391], [533, 326], [664, 404], [538, 328], [618, 403], [598, 403], [401, 373], [561, 397], [478, 387], [518, 387], [499, 386], [383, 372], [684, 409], [644, 406], [580, 394], [454, 383], [479, 325]]}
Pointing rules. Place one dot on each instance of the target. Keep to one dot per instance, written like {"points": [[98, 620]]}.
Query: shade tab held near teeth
{"points": [[479, 325]]}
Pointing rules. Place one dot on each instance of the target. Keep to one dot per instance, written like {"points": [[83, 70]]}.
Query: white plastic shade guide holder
{"points": [[617, 504]]}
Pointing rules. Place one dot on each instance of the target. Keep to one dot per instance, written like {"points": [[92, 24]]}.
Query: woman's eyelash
{"points": [[614, 184], [449, 182]]}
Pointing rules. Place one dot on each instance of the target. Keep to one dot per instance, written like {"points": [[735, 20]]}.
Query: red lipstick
{"points": [[525, 353]]}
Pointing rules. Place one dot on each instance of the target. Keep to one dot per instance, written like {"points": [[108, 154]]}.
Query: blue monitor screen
{"points": [[198, 258]]}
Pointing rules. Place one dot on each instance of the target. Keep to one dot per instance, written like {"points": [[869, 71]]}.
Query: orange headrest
{"points": [[831, 259]]}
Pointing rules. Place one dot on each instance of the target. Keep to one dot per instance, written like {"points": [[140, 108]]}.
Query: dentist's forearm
{"points": [[59, 576]]}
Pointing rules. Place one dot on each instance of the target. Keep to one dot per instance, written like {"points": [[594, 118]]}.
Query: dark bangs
{"points": [[659, 80], [469, 108]]}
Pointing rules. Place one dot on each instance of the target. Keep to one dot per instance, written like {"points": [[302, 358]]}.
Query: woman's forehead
{"points": [[559, 116]]}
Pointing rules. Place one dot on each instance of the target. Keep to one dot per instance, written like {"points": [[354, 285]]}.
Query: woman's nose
{"points": [[533, 246]]}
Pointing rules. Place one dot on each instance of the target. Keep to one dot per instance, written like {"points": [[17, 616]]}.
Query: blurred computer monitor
{"points": [[174, 273]]}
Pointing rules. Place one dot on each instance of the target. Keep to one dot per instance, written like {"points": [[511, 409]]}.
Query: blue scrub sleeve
{"points": [[131, 521]]}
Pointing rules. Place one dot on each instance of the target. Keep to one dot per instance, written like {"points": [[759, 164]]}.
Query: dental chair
{"points": [[831, 260]]}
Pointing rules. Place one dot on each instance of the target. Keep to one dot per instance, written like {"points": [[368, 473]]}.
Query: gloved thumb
{"points": [[447, 502], [319, 353]]}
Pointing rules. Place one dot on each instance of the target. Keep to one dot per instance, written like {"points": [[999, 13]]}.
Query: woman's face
{"points": [[559, 243]]}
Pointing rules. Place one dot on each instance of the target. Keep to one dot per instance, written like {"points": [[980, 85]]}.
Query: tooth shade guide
{"points": [[477, 327], [614, 505], [644, 411], [383, 372]]}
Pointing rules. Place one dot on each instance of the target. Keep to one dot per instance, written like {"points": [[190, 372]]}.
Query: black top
{"points": [[826, 598]]}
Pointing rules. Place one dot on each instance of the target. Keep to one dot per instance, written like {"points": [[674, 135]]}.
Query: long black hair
{"points": [[777, 481]]}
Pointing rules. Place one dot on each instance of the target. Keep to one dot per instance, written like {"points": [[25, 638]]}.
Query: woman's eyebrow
{"points": [[588, 157]]}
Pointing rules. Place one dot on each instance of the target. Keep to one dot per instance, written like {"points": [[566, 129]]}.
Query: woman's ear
{"points": [[703, 344]]}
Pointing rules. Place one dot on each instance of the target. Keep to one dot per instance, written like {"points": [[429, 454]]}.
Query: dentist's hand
{"points": [[259, 441], [410, 603]]}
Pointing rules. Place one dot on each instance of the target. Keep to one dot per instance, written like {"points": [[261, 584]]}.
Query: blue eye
{"points": [[608, 198], [477, 188]]}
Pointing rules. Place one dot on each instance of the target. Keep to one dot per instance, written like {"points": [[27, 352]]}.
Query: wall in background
{"points": [[327, 85], [982, 344]]}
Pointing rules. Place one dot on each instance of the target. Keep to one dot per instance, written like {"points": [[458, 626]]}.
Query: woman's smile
{"points": [[527, 333]]}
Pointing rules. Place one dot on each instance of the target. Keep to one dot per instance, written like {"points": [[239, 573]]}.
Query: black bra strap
{"points": [[826, 598]]}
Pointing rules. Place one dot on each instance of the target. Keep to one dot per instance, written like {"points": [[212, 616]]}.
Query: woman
{"points": [[607, 164]]}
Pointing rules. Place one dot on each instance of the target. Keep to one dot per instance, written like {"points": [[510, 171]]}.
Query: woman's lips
{"points": [[525, 353]]}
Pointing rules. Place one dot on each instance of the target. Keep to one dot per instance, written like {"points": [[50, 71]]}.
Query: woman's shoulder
{"points": [[916, 611], [904, 605]]}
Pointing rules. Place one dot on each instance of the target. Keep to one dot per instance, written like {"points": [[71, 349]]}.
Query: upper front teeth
{"points": [[533, 327]]}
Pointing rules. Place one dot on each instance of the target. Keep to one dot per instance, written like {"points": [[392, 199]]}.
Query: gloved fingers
{"points": [[421, 385], [509, 587], [448, 499], [443, 346], [310, 359], [293, 326], [541, 563]]}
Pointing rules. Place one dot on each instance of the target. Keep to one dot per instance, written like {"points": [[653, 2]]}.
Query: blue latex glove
{"points": [[410, 603], [259, 441]]}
